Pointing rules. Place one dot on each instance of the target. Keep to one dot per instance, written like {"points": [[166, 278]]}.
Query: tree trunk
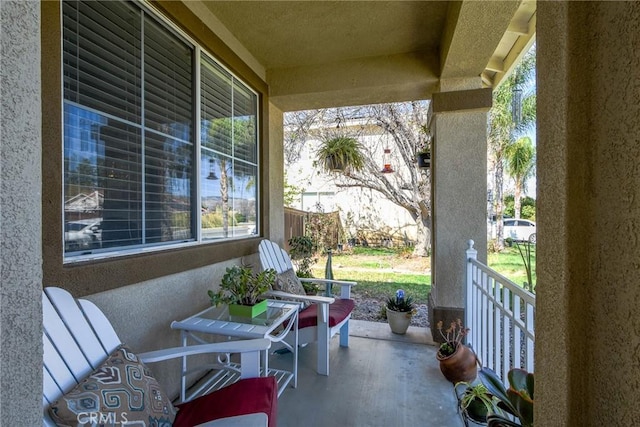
{"points": [[423, 238], [499, 204], [517, 199], [224, 195]]}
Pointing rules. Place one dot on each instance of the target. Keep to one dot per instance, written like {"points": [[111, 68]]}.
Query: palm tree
{"points": [[513, 112], [223, 132], [520, 160]]}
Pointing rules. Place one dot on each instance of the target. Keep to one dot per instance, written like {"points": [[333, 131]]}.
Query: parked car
{"points": [[83, 234], [520, 230]]}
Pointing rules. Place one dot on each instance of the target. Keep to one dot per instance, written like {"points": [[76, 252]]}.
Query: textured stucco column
{"points": [[588, 218], [276, 175], [20, 216], [459, 173]]}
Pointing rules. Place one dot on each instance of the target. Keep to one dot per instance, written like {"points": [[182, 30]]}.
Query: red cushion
{"points": [[338, 311], [246, 396]]}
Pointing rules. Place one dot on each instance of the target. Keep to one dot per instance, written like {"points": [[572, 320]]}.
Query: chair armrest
{"points": [[345, 286], [308, 298], [243, 346], [333, 282]]}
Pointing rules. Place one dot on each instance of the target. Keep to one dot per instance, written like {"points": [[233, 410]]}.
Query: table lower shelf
{"points": [[222, 378]]}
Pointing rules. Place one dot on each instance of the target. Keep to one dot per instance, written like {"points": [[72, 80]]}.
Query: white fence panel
{"points": [[501, 317]]}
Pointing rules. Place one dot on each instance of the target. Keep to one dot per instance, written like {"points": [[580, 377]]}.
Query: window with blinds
{"points": [[131, 179]]}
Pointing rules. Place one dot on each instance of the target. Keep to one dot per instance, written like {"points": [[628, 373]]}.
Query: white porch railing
{"points": [[501, 317]]}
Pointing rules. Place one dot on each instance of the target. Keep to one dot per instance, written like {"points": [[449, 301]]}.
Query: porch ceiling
{"points": [[333, 53]]}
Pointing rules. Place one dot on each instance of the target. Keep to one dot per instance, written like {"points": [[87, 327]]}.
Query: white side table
{"points": [[280, 319]]}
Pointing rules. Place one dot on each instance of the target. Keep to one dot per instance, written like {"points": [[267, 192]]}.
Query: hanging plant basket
{"points": [[340, 154]]}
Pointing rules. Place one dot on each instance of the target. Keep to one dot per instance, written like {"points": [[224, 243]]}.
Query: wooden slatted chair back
{"points": [[77, 338], [273, 256]]}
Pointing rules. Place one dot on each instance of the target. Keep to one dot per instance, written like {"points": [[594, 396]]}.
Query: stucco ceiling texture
{"points": [[302, 33], [316, 54]]}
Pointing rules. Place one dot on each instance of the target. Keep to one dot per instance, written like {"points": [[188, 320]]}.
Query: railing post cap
{"points": [[470, 242]]}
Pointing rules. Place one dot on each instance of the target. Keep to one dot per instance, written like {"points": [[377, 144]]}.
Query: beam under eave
{"points": [[360, 81], [518, 50], [495, 64], [520, 28], [472, 34]]}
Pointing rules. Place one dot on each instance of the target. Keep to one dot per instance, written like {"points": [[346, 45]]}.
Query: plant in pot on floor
{"points": [[475, 401], [457, 361], [516, 402], [241, 289], [400, 309]]}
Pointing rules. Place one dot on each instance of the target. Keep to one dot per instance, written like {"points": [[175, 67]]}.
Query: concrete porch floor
{"points": [[382, 379]]}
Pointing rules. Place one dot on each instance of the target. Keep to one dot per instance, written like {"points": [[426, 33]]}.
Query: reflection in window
{"points": [[130, 174]]}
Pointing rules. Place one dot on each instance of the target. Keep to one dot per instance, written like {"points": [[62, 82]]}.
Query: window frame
{"points": [[198, 50]]}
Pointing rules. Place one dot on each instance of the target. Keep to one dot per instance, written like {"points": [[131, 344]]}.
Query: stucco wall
{"points": [[275, 172], [588, 313], [20, 216], [459, 202], [142, 313]]}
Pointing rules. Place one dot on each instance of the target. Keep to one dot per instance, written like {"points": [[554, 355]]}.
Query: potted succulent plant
{"points": [[457, 361], [399, 310], [340, 153], [517, 400], [241, 289], [475, 401]]}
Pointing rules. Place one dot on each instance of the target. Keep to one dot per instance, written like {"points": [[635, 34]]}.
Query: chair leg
{"points": [[324, 335], [344, 335]]}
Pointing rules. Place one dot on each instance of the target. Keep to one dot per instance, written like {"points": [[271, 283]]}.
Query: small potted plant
{"points": [[424, 158], [241, 289], [340, 153], [517, 400], [475, 401], [423, 152], [400, 309], [457, 361]]}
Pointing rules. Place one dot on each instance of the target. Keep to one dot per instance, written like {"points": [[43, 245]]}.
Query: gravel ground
{"points": [[369, 309]]}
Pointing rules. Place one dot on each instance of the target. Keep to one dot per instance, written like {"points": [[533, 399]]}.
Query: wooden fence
{"points": [[324, 228]]}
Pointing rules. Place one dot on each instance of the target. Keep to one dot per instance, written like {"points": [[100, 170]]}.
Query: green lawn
{"points": [[509, 263], [380, 271], [372, 269]]}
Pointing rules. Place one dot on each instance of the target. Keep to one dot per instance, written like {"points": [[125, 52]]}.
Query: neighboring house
{"points": [[362, 210]]}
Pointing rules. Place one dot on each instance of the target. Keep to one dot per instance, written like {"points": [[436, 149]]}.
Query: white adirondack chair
{"points": [[332, 314], [78, 338]]}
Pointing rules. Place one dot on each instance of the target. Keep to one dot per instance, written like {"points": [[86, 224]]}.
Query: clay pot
{"points": [[462, 365]]}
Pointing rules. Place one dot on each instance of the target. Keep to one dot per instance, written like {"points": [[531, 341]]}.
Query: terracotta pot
{"points": [[398, 321], [462, 365]]}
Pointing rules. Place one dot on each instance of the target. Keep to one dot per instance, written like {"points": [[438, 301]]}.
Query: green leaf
{"points": [[494, 384], [496, 420], [524, 405]]}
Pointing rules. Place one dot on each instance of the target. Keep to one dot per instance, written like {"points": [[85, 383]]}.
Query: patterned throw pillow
{"points": [[119, 392], [289, 282]]}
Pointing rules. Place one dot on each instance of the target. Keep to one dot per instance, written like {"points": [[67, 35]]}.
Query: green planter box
{"points": [[248, 310]]}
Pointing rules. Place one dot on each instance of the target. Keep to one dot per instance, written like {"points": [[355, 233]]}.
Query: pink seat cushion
{"points": [[246, 396], [338, 311]]}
